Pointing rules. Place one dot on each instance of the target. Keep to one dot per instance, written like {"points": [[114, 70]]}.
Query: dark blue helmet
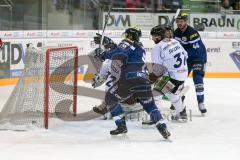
{"points": [[183, 16], [158, 31], [133, 34]]}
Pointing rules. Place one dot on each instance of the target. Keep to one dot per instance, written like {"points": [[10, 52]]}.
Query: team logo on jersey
{"points": [[184, 39]]}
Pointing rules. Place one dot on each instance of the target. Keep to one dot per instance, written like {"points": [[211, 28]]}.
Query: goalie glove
{"points": [[97, 81], [163, 85], [153, 78], [107, 42]]}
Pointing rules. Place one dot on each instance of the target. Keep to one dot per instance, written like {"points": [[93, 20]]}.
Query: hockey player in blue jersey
{"points": [[197, 55], [130, 79]]}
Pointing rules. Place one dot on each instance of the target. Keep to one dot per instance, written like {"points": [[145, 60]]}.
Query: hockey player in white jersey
{"points": [[169, 69]]}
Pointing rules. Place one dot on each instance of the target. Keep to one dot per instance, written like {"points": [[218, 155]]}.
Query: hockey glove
{"points": [[97, 81], [153, 78], [99, 53], [107, 42]]}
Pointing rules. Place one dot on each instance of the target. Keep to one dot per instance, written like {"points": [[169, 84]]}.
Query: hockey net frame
{"points": [[15, 114], [47, 65]]}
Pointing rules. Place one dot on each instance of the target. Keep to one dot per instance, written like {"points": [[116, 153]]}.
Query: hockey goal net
{"points": [[48, 84]]}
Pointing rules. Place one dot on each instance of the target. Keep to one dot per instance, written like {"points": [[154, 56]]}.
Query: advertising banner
{"points": [[211, 22]]}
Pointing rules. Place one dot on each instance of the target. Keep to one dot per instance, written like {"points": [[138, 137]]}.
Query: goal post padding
{"points": [[48, 80]]}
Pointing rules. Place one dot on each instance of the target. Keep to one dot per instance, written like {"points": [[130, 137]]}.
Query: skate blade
{"points": [[203, 114], [179, 121], [168, 140], [17, 130], [144, 126], [122, 136]]}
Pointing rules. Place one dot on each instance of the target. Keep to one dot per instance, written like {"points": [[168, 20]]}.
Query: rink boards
{"points": [[223, 51]]}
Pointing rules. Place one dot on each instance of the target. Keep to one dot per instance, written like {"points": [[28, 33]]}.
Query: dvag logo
{"points": [[12, 53], [118, 20]]}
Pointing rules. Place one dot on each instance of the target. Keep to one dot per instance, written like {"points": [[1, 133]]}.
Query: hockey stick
{"points": [[95, 61], [105, 24], [174, 18]]}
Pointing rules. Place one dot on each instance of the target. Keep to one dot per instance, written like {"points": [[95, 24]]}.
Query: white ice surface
{"points": [[214, 137]]}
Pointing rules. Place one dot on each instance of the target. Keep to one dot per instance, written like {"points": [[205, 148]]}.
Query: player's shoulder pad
{"points": [[193, 33], [124, 45], [139, 45]]}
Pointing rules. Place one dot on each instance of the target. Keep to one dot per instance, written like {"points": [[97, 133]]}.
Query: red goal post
{"points": [[47, 74]]}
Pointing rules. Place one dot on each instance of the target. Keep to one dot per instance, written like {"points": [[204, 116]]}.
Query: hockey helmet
{"points": [[133, 34], [168, 28], [183, 16], [158, 31]]}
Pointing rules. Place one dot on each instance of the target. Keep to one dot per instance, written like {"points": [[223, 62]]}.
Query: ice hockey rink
{"points": [[215, 136]]}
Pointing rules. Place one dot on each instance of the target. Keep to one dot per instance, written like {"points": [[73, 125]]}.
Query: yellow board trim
{"points": [[221, 75], [13, 81]]}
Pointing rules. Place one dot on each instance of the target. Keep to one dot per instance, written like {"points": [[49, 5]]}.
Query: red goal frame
{"points": [[46, 94]]}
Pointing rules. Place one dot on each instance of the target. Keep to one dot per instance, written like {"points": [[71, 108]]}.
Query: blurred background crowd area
{"points": [[88, 14]]}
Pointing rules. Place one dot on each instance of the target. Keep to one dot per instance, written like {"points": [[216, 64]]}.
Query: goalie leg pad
{"points": [[176, 102], [164, 85]]}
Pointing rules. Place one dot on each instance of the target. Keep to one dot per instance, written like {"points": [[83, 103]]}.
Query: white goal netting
{"points": [[47, 88]]}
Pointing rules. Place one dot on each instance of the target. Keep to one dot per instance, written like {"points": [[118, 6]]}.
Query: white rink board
{"points": [[219, 50]]}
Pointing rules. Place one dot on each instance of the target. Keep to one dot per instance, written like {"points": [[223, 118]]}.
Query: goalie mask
{"points": [[133, 34], [158, 33]]}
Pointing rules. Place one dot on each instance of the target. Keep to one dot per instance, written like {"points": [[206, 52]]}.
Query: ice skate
{"points": [[122, 128], [202, 109], [181, 117], [101, 109], [162, 128], [147, 124]]}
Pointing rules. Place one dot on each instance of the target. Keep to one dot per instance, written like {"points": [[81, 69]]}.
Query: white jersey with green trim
{"points": [[173, 57]]}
